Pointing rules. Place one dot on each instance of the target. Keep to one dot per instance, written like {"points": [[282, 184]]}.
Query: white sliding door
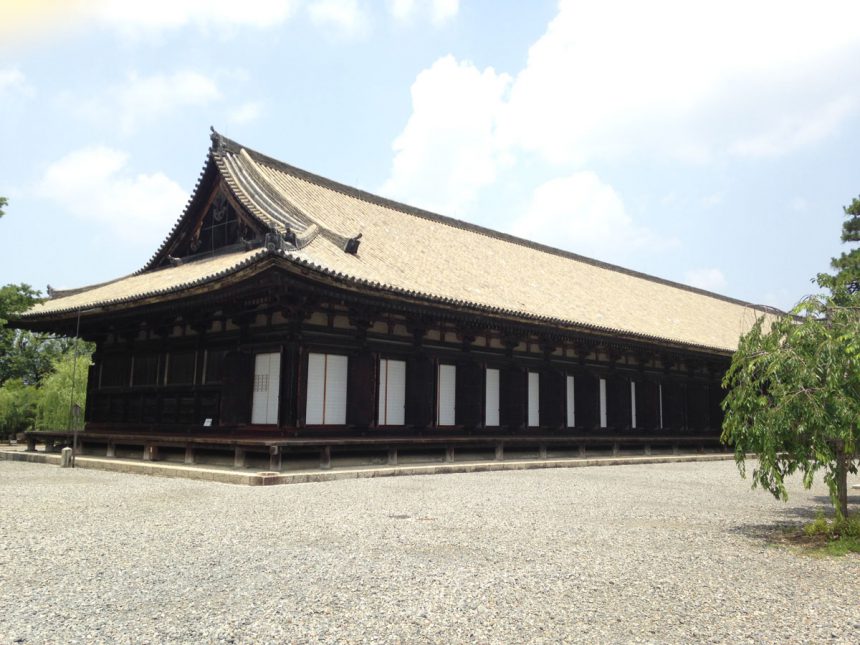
{"points": [[267, 382], [633, 404], [392, 392], [491, 407], [326, 396], [571, 402], [446, 392], [534, 399], [603, 403]]}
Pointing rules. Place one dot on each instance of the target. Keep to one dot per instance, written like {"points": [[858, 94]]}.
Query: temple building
{"points": [[286, 312]]}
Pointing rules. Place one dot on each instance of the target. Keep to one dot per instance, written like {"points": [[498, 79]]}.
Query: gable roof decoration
{"points": [[299, 220]]}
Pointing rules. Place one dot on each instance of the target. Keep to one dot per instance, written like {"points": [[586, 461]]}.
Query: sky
{"points": [[709, 143]]}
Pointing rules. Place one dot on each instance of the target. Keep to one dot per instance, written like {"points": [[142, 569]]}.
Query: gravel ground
{"points": [[659, 553]]}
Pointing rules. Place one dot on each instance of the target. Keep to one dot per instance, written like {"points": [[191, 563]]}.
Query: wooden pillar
{"points": [[674, 406], [618, 410], [647, 406], [288, 404], [361, 389], [513, 389], [237, 388], [587, 398], [553, 401], [716, 394], [92, 387], [469, 395], [420, 391], [697, 406]]}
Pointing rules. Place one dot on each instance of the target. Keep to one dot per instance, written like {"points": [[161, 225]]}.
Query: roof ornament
{"points": [[174, 262], [274, 241], [290, 237], [217, 142], [351, 245], [50, 291]]}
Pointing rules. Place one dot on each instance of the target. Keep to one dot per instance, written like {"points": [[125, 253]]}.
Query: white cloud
{"points": [[173, 14], [448, 151], [690, 82], [246, 112], [343, 17], [709, 279], [402, 9], [440, 11], [13, 82], [794, 131], [585, 215], [147, 98], [95, 184], [667, 68], [444, 10], [662, 81]]}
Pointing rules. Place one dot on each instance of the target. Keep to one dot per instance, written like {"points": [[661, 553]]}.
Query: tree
{"points": [[17, 407], [794, 386], [56, 393], [23, 354], [3, 203], [847, 265]]}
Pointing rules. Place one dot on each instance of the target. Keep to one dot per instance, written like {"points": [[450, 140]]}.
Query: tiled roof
{"points": [[409, 251], [149, 284]]}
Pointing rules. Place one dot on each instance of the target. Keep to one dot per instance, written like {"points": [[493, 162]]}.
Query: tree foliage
{"points": [[46, 406], [17, 407], [3, 203], [25, 355], [794, 386], [794, 396], [847, 265], [16, 298], [56, 395]]}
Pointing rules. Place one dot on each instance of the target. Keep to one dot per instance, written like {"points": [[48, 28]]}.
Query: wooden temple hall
{"points": [[287, 317]]}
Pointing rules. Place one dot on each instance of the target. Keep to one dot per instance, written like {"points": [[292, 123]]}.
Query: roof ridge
{"points": [[357, 193]]}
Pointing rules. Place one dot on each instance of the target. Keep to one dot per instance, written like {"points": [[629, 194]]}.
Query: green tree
{"points": [[16, 298], [25, 355], [17, 407], [794, 386], [3, 203], [56, 395], [847, 265]]}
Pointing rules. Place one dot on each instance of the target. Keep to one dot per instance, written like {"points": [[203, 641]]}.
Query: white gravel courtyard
{"points": [[668, 553]]}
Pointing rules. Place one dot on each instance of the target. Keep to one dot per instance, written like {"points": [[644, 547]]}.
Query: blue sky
{"points": [[711, 143]]}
